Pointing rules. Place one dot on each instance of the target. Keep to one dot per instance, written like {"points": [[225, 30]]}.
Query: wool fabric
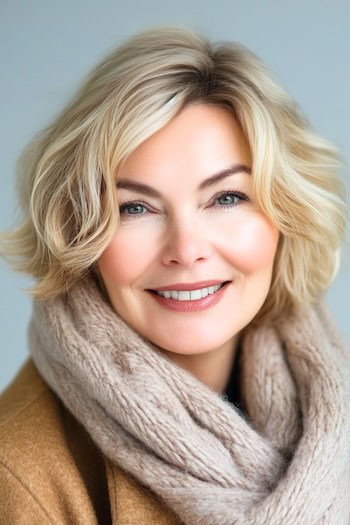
{"points": [[286, 459]]}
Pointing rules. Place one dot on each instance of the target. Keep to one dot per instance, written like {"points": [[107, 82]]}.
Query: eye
{"points": [[229, 199], [132, 208]]}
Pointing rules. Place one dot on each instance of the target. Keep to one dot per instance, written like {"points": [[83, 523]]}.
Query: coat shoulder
{"points": [[50, 470]]}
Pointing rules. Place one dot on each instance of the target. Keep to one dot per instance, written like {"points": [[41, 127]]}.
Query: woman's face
{"points": [[183, 228]]}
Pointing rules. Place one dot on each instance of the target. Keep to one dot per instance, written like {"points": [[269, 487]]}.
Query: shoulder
{"points": [[49, 467]]}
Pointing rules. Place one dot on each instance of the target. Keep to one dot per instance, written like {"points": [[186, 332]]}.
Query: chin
{"points": [[191, 347]]}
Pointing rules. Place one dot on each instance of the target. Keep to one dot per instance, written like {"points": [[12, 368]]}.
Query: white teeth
{"points": [[196, 294], [190, 295], [184, 296]]}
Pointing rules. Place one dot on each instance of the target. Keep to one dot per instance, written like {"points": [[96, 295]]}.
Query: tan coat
{"points": [[51, 471]]}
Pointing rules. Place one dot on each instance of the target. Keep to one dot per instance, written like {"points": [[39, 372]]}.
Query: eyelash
{"points": [[238, 194]]}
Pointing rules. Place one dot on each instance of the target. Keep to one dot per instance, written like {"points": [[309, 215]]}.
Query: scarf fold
{"points": [[287, 460]]}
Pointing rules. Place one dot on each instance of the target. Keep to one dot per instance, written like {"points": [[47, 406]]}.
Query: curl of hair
{"points": [[67, 175]]}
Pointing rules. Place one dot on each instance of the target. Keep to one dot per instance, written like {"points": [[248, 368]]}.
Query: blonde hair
{"points": [[67, 174]]}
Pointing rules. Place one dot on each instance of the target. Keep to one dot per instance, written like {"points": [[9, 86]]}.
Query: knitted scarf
{"points": [[286, 460]]}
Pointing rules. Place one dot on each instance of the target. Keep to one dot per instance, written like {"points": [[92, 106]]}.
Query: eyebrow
{"points": [[206, 183]]}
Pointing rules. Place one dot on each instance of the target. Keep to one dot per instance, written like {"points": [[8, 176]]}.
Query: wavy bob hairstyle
{"points": [[67, 175]]}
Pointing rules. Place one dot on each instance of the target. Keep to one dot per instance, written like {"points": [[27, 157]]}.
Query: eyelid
{"points": [[134, 201], [242, 196]]}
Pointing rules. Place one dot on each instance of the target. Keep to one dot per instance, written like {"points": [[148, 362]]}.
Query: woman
{"points": [[182, 222]]}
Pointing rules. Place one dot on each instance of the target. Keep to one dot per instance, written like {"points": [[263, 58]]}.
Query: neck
{"points": [[211, 368]]}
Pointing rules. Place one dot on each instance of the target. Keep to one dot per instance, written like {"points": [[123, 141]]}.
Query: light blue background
{"points": [[46, 48]]}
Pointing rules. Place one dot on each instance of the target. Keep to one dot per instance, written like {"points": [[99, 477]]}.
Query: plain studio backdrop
{"points": [[47, 47]]}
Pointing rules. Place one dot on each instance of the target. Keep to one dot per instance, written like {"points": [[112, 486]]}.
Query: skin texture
{"points": [[187, 235]]}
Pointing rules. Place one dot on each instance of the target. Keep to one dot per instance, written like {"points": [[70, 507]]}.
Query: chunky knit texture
{"points": [[286, 461]]}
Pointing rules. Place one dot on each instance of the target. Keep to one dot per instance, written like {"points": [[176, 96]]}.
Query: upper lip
{"points": [[189, 286]]}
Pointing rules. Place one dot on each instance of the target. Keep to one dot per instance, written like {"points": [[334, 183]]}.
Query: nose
{"points": [[186, 242]]}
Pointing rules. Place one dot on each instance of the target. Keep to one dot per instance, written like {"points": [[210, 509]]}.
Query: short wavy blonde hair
{"points": [[137, 89]]}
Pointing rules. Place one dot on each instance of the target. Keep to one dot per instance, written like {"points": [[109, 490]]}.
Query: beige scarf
{"points": [[286, 462]]}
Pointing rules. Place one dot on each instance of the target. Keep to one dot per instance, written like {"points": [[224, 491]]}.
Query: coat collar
{"points": [[129, 499]]}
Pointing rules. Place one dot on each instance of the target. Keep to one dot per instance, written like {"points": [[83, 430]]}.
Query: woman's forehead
{"points": [[201, 140]]}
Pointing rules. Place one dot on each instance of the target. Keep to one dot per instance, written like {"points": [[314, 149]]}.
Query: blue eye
{"points": [[227, 199], [230, 199], [132, 208]]}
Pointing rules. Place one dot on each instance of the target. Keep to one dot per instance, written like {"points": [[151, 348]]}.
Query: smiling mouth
{"points": [[190, 295]]}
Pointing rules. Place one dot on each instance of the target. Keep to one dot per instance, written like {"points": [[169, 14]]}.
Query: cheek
{"points": [[126, 258], [252, 244]]}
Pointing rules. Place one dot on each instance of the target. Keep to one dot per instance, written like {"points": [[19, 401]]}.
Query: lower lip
{"points": [[191, 306]]}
